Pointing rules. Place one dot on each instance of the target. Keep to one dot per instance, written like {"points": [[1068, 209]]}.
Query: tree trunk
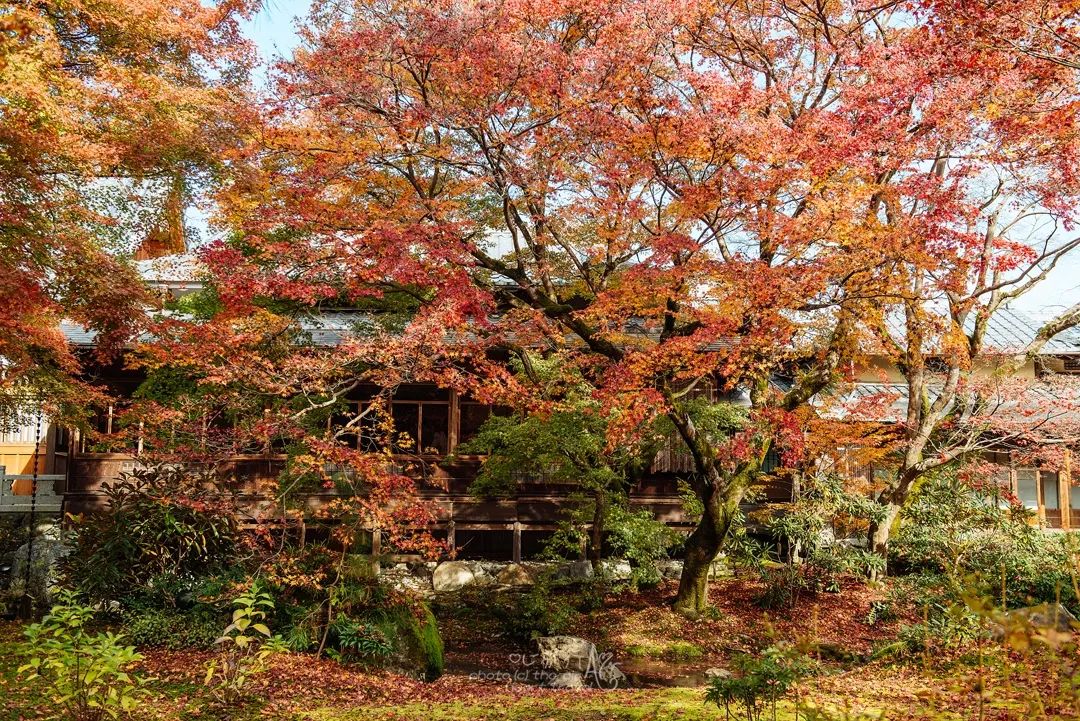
{"points": [[878, 536], [701, 548], [703, 545], [597, 540]]}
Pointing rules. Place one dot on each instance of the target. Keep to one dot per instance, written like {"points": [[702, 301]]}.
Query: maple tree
{"points": [[113, 112], [961, 393], [986, 211], [670, 198]]}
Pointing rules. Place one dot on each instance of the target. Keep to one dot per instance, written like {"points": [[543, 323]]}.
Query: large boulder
{"points": [[618, 569], [566, 653], [452, 576], [515, 575], [567, 680], [573, 655], [1047, 616], [670, 568], [43, 557], [572, 572]]}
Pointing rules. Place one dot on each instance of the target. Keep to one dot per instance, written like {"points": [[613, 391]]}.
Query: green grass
{"points": [[659, 705]]}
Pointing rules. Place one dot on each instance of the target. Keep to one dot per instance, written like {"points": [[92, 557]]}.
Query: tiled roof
{"points": [[888, 402], [76, 334], [1009, 331], [1012, 330]]}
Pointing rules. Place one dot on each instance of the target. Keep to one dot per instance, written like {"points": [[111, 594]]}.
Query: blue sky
{"points": [[273, 28], [274, 31]]}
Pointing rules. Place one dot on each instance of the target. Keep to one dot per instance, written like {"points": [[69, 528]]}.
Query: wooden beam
{"points": [[517, 542], [1064, 486]]}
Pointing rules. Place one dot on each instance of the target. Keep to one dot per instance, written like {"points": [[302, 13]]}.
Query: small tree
{"points": [[564, 439], [758, 682], [85, 675], [245, 647]]}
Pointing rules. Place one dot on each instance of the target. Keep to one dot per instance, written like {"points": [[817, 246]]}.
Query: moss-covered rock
{"points": [[418, 647]]}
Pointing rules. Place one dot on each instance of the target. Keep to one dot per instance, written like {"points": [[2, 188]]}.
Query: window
{"points": [[421, 427], [473, 415], [1027, 487], [420, 417], [1049, 481]]}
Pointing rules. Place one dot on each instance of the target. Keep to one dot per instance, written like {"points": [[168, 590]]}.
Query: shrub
{"points": [[402, 635], [641, 540], [811, 533], [85, 675], [159, 523], [956, 530], [758, 682], [171, 628], [540, 611], [362, 640], [246, 646]]}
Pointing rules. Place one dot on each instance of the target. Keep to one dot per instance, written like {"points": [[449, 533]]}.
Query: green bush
{"points": [[84, 675], [641, 540], [811, 557], [160, 525], [412, 637], [540, 611], [758, 681], [172, 628], [362, 640], [955, 530]]}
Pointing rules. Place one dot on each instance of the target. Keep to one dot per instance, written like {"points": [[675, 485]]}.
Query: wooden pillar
{"points": [[451, 544], [453, 417], [1064, 485], [517, 542], [376, 548]]}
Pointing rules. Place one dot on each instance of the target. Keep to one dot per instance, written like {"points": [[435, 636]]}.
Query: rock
{"points": [[573, 572], [568, 680], [618, 569], [451, 576], [48, 549], [483, 572], [837, 652], [670, 568], [719, 568], [514, 575], [566, 653], [716, 672], [411, 582], [1047, 616]]}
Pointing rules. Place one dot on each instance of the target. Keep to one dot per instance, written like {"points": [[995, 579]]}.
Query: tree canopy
{"points": [[112, 110]]}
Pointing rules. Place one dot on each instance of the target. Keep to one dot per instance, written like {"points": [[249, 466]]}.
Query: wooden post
{"points": [[453, 419], [450, 540], [517, 542], [376, 548], [1064, 490]]}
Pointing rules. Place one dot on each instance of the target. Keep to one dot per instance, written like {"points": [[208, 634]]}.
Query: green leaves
{"points": [[759, 681], [81, 672], [243, 654]]}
